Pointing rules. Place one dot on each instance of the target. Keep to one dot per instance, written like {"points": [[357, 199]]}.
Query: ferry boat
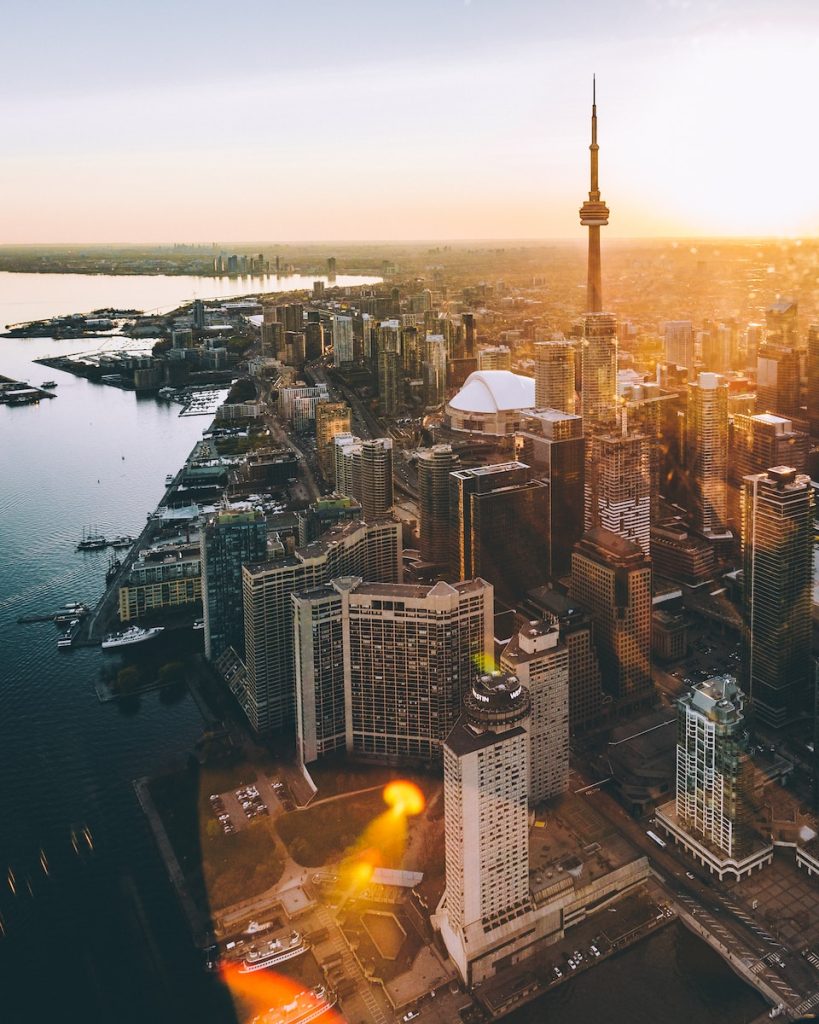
{"points": [[92, 541], [272, 952], [302, 1008], [124, 540], [49, 384], [133, 635]]}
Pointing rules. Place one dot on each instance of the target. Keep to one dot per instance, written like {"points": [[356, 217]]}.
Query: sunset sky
{"points": [[266, 120]]}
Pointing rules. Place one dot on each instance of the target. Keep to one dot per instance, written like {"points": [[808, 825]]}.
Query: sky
{"points": [[183, 121]]}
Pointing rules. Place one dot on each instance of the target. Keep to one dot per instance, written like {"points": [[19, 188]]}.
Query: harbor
{"points": [[20, 392]]}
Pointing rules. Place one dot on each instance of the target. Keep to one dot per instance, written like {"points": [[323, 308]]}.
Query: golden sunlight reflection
{"points": [[275, 999]]}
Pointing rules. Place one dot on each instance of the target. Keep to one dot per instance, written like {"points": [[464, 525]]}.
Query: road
{"points": [[714, 908]]}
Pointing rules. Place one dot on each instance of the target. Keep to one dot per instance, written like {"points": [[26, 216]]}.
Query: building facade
{"points": [[434, 467], [707, 455], [554, 376]]}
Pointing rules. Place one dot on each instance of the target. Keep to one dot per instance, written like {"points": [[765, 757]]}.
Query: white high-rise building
{"points": [[381, 669], [486, 784], [363, 470], [540, 659], [679, 344]]}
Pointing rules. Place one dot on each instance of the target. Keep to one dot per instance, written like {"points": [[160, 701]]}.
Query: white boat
{"points": [[124, 540], [133, 635], [275, 951], [200, 624], [302, 1008]]}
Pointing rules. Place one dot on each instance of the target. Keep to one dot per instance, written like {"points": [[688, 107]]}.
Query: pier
{"points": [[19, 392]]}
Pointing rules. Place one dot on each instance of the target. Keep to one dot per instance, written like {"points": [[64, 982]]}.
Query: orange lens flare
{"points": [[264, 994], [405, 798]]}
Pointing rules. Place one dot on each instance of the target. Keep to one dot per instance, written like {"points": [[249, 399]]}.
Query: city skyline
{"points": [[203, 135]]}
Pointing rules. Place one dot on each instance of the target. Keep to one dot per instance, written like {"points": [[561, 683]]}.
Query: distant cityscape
{"points": [[551, 570]]}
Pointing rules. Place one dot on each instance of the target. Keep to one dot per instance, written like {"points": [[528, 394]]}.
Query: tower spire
{"points": [[594, 214]]}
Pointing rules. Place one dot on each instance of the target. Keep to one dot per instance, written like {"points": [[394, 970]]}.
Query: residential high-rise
{"points": [[363, 470], [434, 370], [313, 340], [332, 418], [777, 379], [486, 782], [679, 344], [539, 657], [389, 367], [381, 669], [813, 379], [343, 343], [468, 321], [369, 550], [552, 444], [598, 396], [554, 376], [498, 524], [757, 442], [777, 548], [589, 706], [618, 486], [782, 321], [707, 454], [228, 540], [611, 576], [434, 466], [713, 812]]}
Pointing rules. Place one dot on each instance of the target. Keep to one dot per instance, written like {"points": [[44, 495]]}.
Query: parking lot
{"points": [[236, 809]]}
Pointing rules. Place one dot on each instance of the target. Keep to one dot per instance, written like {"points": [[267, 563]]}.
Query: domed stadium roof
{"points": [[490, 391]]}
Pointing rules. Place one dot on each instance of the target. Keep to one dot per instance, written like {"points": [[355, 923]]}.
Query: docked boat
{"points": [[133, 635], [49, 384], [198, 623], [169, 479], [92, 540], [272, 952], [67, 638], [302, 1008], [114, 566], [73, 610], [124, 540]]}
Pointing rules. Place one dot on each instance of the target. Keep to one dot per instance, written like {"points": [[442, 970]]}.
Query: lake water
{"points": [[101, 938]]}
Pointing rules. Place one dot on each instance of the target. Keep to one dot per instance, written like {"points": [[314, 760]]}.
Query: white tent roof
{"points": [[492, 391]]}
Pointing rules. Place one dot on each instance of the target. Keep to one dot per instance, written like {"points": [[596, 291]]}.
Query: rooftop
{"points": [[491, 391]]}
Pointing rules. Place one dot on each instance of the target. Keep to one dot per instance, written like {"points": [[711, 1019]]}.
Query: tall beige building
{"points": [[332, 418], [381, 669], [618, 486], [363, 470], [539, 657], [486, 782], [434, 467], [554, 376]]}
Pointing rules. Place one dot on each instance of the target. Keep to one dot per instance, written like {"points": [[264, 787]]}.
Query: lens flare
{"points": [[266, 997], [405, 798]]}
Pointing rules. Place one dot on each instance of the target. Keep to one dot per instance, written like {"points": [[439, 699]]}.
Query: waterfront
{"points": [[103, 928]]}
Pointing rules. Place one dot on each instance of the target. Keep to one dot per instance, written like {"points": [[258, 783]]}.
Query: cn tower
{"points": [[594, 214]]}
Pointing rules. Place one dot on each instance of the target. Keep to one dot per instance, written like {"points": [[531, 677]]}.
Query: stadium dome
{"points": [[490, 401]]}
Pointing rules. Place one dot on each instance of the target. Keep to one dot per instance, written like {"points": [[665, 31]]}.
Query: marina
{"points": [[20, 392]]}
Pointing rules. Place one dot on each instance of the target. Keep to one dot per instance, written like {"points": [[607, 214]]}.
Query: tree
{"points": [[171, 672], [127, 680]]}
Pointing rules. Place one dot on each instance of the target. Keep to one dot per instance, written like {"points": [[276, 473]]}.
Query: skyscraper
{"points": [[612, 578], [381, 669], [228, 540], [679, 344], [363, 470], [618, 486], [343, 350], [552, 443], [486, 781], [707, 454], [498, 518], [539, 657], [813, 379], [777, 379], [598, 396], [389, 367], [495, 357], [434, 370], [332, 418], [434, 466], [369, 550], [554, 376], [714, 809], [777, 549]]}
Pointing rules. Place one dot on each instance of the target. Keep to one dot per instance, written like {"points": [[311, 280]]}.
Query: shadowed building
{"points": [[777, 550], [612, 578], [434, 467]]}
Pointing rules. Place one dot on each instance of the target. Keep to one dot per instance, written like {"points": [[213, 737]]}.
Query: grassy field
{"points": [[334, 776], [323, 834]]}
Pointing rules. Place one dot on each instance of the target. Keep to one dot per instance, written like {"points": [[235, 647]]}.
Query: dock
{"points": [[19, 392]]}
